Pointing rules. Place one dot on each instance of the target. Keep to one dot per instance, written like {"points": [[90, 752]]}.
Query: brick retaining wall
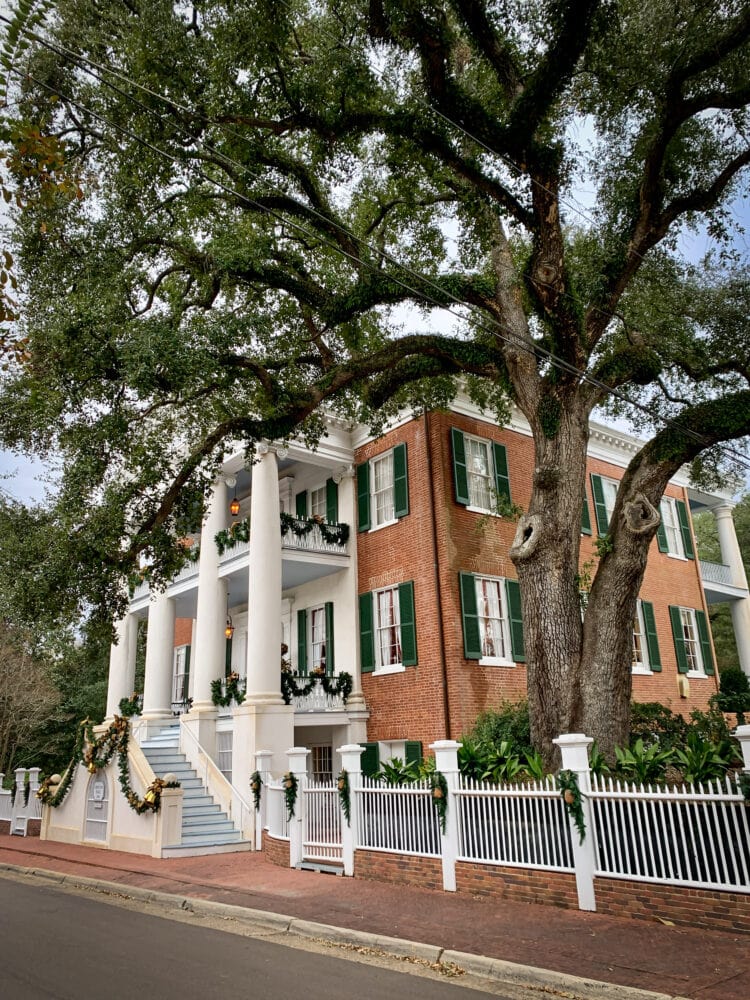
{"points": [[277, 851], [401, 869]]}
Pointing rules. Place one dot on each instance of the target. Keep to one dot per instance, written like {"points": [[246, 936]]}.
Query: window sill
{"points": [[696, 675], [676, 555], [482, 510], [385, 524], [392, 668], [641, 672], [495, 661]]}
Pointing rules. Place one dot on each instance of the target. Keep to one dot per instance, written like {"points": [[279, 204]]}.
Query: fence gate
{"points": [[322, 837]]}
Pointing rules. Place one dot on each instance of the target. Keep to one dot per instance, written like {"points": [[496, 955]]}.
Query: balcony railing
{"points": [[309, 694], [716, 573], [310, 534]]}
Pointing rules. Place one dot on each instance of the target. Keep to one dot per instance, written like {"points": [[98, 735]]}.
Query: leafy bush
{"points": [[396, 772], [700, 759], [508, 723], [643, 764], [503, 764], [734, 693], [651, 722]]}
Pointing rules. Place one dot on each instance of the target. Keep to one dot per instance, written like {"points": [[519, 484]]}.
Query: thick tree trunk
{"points": [[545, 552]]}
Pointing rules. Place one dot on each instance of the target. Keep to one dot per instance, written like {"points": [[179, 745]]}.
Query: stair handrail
{"points": [[218, 784]]}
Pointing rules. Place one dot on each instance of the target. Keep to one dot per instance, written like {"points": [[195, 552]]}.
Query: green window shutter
{"points": [[708, 657], [366, 634], [460, 472], [515, 619], [332, 502], [661, 534], [687, 540], [500, 461], [679, 639], [300, 504], [585, 516], [363, 497], [228, 657], [652, 641], [400, 482], [600, 508], [413, 752], [469, 616], [186, 679], [187, 659], [302, 642], [330, 663], [370, 759], [408, 624]]}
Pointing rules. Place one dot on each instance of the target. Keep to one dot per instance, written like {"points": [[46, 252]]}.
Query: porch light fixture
{"points": [[234, 507], [229, 628]]}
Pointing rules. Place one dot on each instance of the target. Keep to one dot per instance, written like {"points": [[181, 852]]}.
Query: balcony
{"points": [[718, 583], [316, 692]]}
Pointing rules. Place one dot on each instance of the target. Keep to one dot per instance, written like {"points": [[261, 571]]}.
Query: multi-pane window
{"points": [[382, 489], [640, 651], [480, 473], [492, 618], [224, 753], [321, 763], [609, 488], [691, 640], [180, 677], [671, 525], [317, 620], [318, 503], [387, 628]]}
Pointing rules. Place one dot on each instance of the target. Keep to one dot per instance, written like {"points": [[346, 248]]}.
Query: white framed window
{"points": [[316, 618], [640, 664], [609, 489], [691, 641], [321, 763], [387, 630], [480, 473], [318, 503], [180, 678], [671, 525], [224, 741], [492, 614], [382, 505]]}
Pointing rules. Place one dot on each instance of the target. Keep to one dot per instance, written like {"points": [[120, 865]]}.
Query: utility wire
{"points": [[504, 334]]}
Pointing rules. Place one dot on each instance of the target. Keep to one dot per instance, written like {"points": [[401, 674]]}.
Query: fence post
{"points": [[743, 735], [351, 762], [34, 810], [446, 762], [263, 767], [297, 757], [574, 748]]}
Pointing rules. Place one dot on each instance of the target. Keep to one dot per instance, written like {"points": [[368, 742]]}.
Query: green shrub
{"points": [[503, 764], [508, 723], [651, 722], [734, 693], [643, 764], [700, 759], [396, 772]]}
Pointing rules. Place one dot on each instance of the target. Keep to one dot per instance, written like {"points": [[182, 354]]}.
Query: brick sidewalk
{"points": [[705, 965]]}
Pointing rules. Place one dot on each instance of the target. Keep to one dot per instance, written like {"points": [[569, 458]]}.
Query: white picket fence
{"points": [[18, 809], [695, 836]]}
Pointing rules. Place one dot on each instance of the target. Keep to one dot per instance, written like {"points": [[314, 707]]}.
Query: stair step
{"points": [[317, 866]]}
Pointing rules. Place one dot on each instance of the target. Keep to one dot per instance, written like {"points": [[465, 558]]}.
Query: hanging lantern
{"points": [[229, 628], [234, 507]]}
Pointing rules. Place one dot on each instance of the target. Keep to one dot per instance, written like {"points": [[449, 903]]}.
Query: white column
{"points": [[264, 587], [574, 748], [446, 762], [209, 652], [157, 684], [347, 610], [122, 664], [731, 556]]}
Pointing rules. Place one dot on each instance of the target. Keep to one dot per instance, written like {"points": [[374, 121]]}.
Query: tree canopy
{"points": [[282, 202]]}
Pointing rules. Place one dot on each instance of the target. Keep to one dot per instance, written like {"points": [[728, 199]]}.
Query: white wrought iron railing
{"points": [[305, 535], [322, 838], [516, 825], [716, 573], [691, 835], [316, 700], [398, 819]]}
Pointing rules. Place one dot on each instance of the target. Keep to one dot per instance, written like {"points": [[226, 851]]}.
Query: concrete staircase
{"points": [[205, 828]]}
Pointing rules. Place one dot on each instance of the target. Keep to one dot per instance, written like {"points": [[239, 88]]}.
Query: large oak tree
{"points": [[266, 183]]}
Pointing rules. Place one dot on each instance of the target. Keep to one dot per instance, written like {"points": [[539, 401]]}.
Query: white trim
{"points": [[385, 524], [495, 661], [392, 668]]}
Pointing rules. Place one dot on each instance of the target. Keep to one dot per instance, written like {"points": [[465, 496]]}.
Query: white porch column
{"points": [[574, 749], [731, 556], [347, 641], [157, 684], [209, 651], [122, 664], [264, 587]]}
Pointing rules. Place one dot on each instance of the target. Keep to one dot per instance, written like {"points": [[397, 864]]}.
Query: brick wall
{"points": [[183, 631], [524, 885], [401, 869], [442, 696], [277, 851], [711, 909]]}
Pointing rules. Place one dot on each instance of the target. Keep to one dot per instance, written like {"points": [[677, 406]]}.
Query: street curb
{"points": [[497, 970]]}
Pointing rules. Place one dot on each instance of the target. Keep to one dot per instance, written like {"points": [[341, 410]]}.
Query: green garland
{"points": [[256, 784], [341, 685], [345, 799], [131, 706], [332, 534], [567, 782], [233, 692], [97, 756], [743, 783], [290, 793], [439, 787]]}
